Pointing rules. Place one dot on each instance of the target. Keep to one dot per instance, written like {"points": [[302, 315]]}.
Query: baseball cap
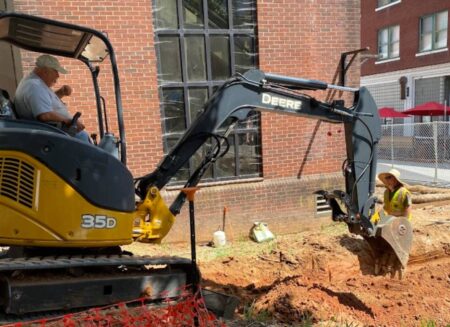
{"points": [[50, 62]]}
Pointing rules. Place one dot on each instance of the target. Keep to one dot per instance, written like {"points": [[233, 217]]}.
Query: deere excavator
{"points": [[67, 207]]}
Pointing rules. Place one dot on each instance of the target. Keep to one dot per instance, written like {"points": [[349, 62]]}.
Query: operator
{"points": [[398, 203], [35, 99]]}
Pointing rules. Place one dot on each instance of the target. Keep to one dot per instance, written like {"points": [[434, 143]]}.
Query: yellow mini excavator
{"points": [[66, 207]]}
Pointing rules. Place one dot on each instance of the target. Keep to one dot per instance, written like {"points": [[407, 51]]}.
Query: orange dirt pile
{"points": [[329, 278]]}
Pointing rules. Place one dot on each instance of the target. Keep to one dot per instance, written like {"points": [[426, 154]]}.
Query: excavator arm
{"points": [[255, 90], [268, 92]]}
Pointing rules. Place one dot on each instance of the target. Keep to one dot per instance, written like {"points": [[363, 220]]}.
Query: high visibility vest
{"points": [[396, 205]]}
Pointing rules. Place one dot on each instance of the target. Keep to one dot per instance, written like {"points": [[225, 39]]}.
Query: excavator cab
{"points": [[55, 190]]}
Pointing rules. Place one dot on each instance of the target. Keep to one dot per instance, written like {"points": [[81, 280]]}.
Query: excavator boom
{"points": [[255, 90]]}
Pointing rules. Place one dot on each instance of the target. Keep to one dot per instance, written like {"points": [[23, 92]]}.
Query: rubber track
{"points": [[32, 263]]}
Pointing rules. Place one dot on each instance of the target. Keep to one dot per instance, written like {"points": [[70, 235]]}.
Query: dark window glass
{"points": [[183, 173], [166, 14], [218, 14], [226, 166], [244, 52], [197, 99], [220, 57], [173, 110], [169, 56], [244, 14], [198, 157], [249, 153], [195, 58], [193, 13]]}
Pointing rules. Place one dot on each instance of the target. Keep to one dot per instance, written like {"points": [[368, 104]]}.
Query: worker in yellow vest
{"points": [[397, 198], [397, 202]]}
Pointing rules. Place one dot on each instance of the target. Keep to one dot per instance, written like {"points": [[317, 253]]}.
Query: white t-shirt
{"points": [[33, 97]]}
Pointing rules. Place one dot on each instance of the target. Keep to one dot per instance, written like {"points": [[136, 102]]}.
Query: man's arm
{"points": [[53, 117], [408, 205]]}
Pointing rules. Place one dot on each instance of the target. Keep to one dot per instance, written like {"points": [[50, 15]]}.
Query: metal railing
{"points": [[420, 151]]}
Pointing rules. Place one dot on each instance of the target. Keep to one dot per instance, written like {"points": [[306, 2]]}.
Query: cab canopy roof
{"points": [[53, 37]]}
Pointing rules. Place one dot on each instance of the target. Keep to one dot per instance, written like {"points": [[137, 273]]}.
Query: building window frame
{"points": [[428, 39], [225, 29], [389, 43], [382, 4]]}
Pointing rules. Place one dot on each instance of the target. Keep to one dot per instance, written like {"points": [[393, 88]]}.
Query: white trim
{"points": [[388, 5], [379, 62], [420, 54], [423, 72]]}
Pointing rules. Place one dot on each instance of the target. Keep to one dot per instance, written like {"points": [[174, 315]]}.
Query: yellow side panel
{"points": [[38, 208]]}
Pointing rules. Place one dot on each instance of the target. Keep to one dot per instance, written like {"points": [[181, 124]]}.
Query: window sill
{"points": [[379, 62], [219, 183], [388, 5], [425, 53]]}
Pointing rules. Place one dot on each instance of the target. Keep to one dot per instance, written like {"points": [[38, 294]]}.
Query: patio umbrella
{"points": [[388, 112], [428, 109]]}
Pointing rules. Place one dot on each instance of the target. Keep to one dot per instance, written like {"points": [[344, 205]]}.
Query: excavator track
{"points": [[58, 262], [35, 285]]}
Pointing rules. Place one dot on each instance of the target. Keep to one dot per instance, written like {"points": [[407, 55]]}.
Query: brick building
{"points": [[173, 54], [411, 41]]}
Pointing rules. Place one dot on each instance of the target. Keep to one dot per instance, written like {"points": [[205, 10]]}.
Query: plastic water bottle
{"points": [[219, 238]]}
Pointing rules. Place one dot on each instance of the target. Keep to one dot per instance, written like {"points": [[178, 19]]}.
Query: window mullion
{"points": [[433, 32], [237, 169]]}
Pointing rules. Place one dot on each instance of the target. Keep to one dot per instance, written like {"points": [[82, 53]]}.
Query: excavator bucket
{"points": [[393, 236]]}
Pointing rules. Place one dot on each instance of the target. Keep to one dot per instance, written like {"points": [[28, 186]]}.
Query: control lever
{"points": [[72, 128]]}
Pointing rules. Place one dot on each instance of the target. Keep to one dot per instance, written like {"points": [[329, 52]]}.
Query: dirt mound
{"points": [[318, 277], [327, 276]]}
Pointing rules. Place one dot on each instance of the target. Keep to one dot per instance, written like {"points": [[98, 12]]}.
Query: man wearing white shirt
{"points": [[35, 99]]}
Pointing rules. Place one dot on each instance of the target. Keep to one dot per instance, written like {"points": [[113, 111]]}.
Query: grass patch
{"points": [[428, 323], [334, 229], [251, 314]]}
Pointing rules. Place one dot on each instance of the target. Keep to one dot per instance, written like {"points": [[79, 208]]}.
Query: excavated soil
{"points": [[326, 278]]}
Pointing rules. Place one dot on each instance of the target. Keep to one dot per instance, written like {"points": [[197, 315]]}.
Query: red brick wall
{"points": [[287, 205], [305, 39], [299, 38], [129, 27], [406, 14]]}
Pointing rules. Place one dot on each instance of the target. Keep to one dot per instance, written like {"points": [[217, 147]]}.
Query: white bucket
{"points": [[219, 238]]}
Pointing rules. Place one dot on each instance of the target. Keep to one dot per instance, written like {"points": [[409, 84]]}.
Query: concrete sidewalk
{"points": [[418, 173]]}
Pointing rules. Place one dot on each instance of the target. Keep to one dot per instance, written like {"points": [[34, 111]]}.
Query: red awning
{"points": [[390, 113], [428, 109]]}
